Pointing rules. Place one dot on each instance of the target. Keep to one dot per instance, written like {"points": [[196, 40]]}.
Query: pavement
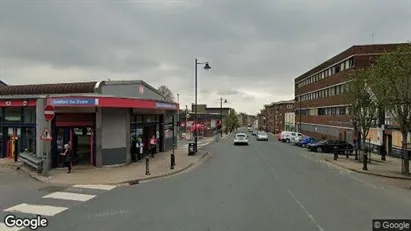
{"points": [[265, 186], [390, 168], [126, 174]]}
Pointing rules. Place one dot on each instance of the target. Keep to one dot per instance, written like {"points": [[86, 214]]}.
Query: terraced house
{"points": [[320, 92]]}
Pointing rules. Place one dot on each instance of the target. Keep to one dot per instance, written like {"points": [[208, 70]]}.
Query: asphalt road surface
{"points": [[265, 186]]}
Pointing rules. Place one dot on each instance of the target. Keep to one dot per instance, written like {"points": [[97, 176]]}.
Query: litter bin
{"points": [[191, 149]]}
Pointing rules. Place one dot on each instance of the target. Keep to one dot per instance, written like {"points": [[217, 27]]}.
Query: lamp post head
{"points": [[225, 101], [207, 66]]}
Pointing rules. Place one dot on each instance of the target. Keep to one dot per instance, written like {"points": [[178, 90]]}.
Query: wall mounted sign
{"points": [[8, 103], [141, 89], [74, 101], [166, 105]]}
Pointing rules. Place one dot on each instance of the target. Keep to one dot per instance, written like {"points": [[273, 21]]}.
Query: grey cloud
{"points": [[261, 46]]}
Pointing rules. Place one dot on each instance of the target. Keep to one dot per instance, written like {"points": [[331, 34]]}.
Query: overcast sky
{"points": [[255, 48]]}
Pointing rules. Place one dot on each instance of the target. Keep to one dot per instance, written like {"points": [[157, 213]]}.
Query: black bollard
{"points": [[147, 165], [347, 154], [365, 160], [335, 153], [356, 154]]}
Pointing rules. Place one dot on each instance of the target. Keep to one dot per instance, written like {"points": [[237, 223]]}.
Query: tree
{"points": [[392, 87], [167, 93], [231, 121], [364, 105]]}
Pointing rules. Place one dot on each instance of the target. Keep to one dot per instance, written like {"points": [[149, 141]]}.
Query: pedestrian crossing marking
{"points": [[3, 227], [95, 186], [70, 196], [44, 210]]}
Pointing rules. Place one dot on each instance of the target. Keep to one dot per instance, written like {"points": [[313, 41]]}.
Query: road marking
{"points": [[44, 210], [70, 196], [271, 168], [3, 227], [305, 210], [94, 186]]}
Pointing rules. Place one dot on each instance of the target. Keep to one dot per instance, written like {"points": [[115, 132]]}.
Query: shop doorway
{"points": [[11, 141], [81, 140]]}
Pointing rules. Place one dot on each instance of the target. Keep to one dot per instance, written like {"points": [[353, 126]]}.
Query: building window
{"points": [[338, 90], [332, 91], [12, 114], [347, 64], [342, 66], [29, 115], [28, 139]]}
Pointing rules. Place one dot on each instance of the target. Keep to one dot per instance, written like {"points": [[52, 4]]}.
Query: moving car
{"points": [[306, 140], [328, 146], [240, 138], [262, 136]]}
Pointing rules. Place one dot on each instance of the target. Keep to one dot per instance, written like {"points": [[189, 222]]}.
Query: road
{"points": [[264, 186]]}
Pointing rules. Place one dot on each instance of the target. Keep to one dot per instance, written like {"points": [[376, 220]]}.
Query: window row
{"points": [[302, 112], [347, 64], [332, 111], [18, 114], [331, 91]]}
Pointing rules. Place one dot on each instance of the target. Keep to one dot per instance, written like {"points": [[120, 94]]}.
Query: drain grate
{"points": [[134, 182]]}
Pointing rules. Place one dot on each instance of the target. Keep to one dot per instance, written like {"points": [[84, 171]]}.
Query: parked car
{"points": [[241, 138], [327, 146], [295, 140], [262, 136], [286, 136], [306, 140]]}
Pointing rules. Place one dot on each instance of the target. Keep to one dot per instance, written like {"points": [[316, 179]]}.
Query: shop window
{"points": [[28, 139], [12, 114], [150, 119], [29, 115]]}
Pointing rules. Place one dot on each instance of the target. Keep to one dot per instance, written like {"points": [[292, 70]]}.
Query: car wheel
{"points": [[319, 149], [287, 140], [303, 146]]}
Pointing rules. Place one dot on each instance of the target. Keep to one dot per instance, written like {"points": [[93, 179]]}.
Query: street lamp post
{"points": [[206, 67], [221, 114], [299, 114], [178, 116]]}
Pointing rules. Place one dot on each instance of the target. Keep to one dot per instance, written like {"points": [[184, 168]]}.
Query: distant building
{"points": [[275, 121]]}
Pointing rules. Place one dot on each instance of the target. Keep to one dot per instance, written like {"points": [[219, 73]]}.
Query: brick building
{"points": [[320, 92], [276, 115]]}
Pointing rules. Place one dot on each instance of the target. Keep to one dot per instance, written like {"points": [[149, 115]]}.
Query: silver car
{"points": [[262, 136], [240, 138]]}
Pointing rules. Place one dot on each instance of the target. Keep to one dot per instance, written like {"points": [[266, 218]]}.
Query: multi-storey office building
{"points": [[320, 92]]}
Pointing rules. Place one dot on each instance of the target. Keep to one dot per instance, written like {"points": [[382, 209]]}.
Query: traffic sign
{"points": [[46, 135], [49, 112]]}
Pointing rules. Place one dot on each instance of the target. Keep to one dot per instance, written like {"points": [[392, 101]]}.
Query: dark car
{"points": [[327, 146]]}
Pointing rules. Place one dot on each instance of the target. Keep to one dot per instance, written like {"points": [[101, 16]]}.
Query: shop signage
{"points": [[166, 105], [74, 101]]}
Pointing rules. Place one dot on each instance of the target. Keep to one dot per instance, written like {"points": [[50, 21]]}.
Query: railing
{"points": [[32, 160]]}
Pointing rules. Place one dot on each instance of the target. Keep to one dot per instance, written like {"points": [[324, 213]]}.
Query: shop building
{"points": [[100, 120], [321, 107]]}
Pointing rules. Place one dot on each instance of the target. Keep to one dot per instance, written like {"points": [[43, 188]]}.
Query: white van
{"points": [[287, 136]]}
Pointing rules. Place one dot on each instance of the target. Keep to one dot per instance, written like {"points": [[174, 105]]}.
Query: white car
{"points": [[262, 136], [295, 140], [240, 138]]}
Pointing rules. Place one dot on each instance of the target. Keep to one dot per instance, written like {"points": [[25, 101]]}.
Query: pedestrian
{"points": [[68, 157], [139, 149], [153, 145]]}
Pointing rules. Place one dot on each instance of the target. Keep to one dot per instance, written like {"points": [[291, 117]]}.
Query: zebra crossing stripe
{"points": [[3, 227], [44, 210], [94, 186], [70, 196]]}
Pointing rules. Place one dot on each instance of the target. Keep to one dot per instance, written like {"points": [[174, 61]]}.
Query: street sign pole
{"points": [[49, 114]]}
